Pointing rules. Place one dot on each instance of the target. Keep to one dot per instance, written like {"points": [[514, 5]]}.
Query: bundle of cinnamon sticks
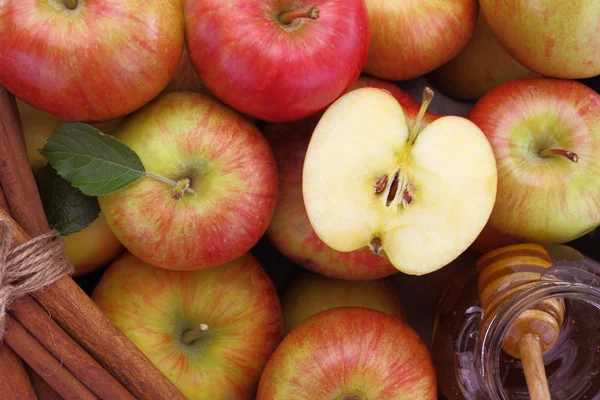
{"points": [[73, 349]]}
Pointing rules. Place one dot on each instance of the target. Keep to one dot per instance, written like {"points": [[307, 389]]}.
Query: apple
{"points": [[420, 195], [350, 353], [479, 67], [89, 60], [312, 293], [277, 61], [290, 230], [554, 38], [413, 37], [92, 247], [545, 134], [225, 161], [185, 78], [209, 331], [38, 126]]}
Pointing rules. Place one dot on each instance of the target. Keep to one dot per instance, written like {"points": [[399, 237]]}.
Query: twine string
{"points": [[28, 268]]}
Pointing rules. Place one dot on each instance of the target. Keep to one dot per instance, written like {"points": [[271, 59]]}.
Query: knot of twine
{"points": [[28, 268]]}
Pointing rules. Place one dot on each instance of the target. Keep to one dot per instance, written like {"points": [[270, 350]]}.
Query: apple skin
{"points": [[553, 38], [479, 67], [38, 126], [403, 98], [231, 168], [413, 37], [290, 230], [548, 200], [96, 63], [271, 71], [349, 351], [238, 302], [185, 78], [312, 293], [92, 247]]}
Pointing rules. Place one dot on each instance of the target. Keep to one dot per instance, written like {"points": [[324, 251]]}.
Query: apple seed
{"points": [[381, 184]]}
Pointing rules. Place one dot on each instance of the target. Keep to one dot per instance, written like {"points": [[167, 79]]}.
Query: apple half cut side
{"points": [[421, 196]]}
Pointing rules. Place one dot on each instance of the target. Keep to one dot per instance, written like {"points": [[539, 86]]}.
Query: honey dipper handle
{"points": [[533, 366]]}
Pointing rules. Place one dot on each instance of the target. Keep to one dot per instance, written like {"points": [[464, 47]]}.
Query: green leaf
{"points": [[67, 209], [96, 163]]}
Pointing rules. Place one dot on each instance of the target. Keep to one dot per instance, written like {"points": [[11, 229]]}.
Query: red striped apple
{"points": [[545, 134], [349, 353], [277, 60], [410, 38], [312, 293], [89, 60], [209, 331], [554, 38], [479, 67], [187, 137], [290, 229], [421, 195]]}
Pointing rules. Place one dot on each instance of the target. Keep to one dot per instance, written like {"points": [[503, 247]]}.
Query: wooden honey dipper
{"points": [[505, 272]]}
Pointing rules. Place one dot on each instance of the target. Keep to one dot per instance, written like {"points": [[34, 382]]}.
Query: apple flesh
{"points": [[311, 293], [480, 66], [89, 60], [422, 197], [554, 38], [537, 128], [209, 331], [290, 230], [410, 38], [277, 61], [349, 353], [228, 164]]}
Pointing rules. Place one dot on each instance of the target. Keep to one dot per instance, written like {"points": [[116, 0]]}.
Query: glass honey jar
{"points": [[473, 344]]}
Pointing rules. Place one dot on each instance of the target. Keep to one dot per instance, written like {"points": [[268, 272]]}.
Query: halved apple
{"points": [[421, 196]]}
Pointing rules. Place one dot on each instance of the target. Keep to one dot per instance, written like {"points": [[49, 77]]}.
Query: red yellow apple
{"points": [[92, 247], [187, 137], [209, 331], [479, 67], [312, 293], [554, 38], [545, 134], [38, 126], [185, 78], [274, 60], [419, 195], [410, 38], [350, 353], [89, 60]]}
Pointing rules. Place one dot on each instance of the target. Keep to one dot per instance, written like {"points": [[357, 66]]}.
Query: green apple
{"points": [[350, 353], [222, 157], [479, 67], [422, 195], [209, 331], [312, 293], [545, 134], [554, 38]]}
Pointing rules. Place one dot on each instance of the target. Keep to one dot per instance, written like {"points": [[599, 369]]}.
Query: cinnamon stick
{"points": [[42, 389], [14, 381], [42, 362], [69, 306], [64, 348]]}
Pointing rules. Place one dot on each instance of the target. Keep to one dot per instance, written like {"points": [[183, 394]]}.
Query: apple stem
{"points": [[427, 96], [71, 4], [181, 187], [288, 16], [569, 155], [189, 337]]}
